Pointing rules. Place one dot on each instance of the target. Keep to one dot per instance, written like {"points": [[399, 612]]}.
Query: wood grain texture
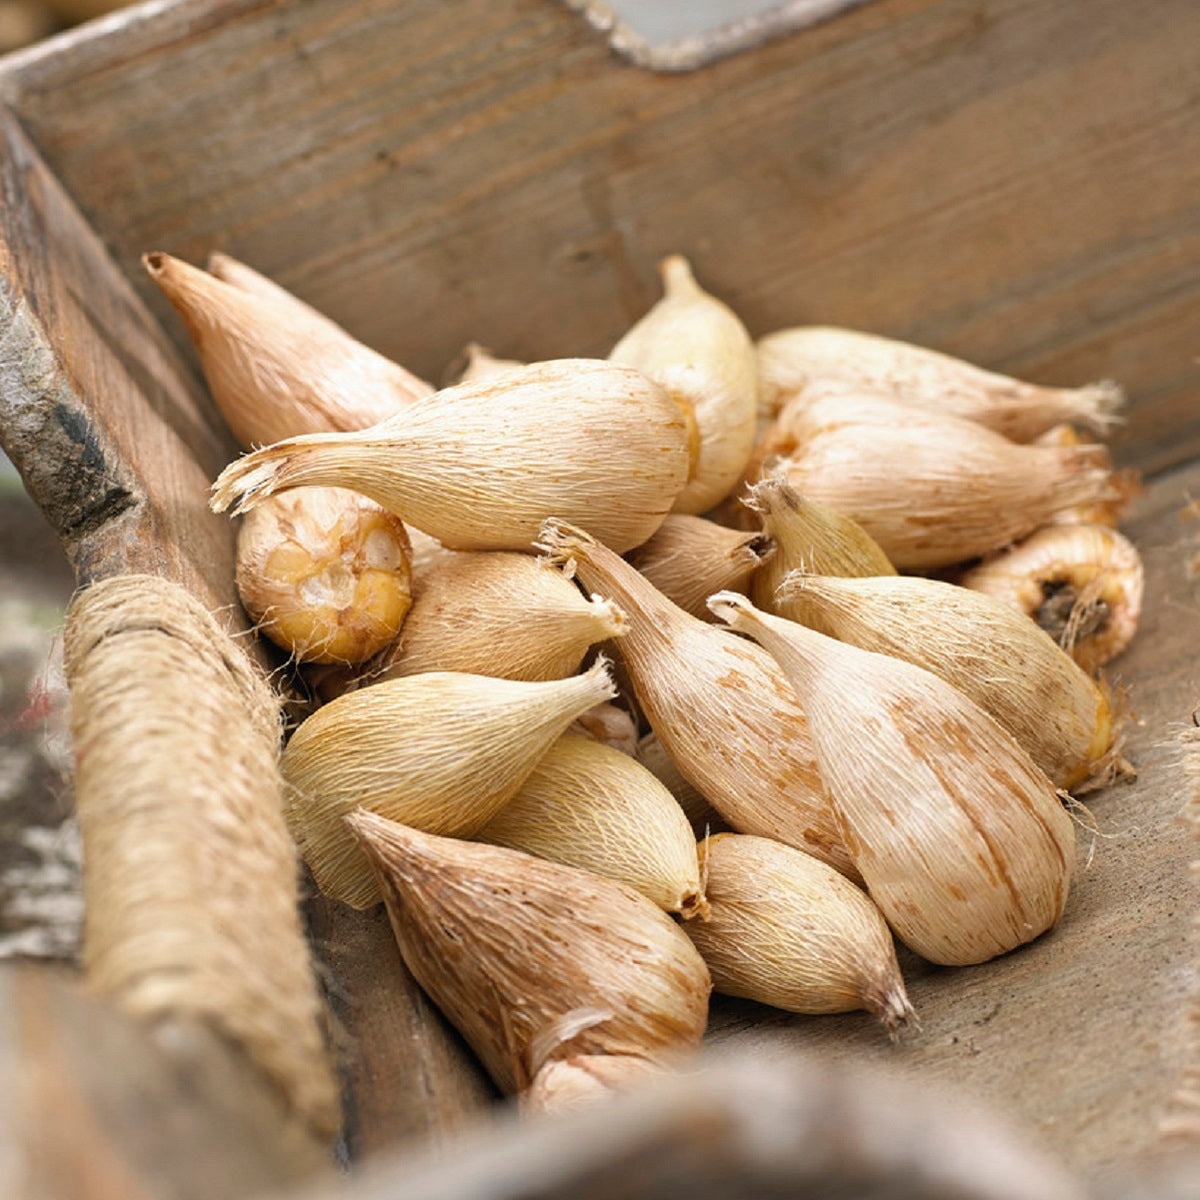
{"points": [[409, 1078], [1009, 180], [94, 1106], [795, 1127], [113, 434], [1085, 1035]]}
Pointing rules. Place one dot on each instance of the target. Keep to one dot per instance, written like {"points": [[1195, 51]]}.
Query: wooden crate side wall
{"points": [[112, 432], [1010, 180]]}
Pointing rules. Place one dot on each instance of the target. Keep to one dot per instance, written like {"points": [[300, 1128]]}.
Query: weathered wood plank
{"points": [[113, 434], [1009, 180], [796, 1127], [95, 1106], [409, 1078]]}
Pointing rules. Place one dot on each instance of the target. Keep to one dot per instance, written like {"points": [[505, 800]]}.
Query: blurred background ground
{"points": [[40, 906]]}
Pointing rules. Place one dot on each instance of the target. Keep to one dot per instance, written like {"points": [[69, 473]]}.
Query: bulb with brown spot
{"points": [[720, 705], [985, 648], [961, 840]]}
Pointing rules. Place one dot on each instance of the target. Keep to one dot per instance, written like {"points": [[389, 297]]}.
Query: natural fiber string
{"points": [[190, 878], [1183, 1124]]}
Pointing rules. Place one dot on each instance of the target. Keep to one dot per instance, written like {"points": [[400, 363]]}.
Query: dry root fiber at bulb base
{"points": [[1082, 584]]}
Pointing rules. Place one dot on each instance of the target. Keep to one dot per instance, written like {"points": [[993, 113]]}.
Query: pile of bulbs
{"points": [[862, 753]]}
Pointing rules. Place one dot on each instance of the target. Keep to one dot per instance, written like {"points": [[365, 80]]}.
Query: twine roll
{"points": [[190, 877]]}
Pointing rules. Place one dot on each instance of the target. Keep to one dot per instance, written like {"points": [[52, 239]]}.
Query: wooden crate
{"points": [[1013, 181]]}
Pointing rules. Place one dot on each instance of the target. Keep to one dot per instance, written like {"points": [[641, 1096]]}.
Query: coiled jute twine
{"points": [[190, 877]]}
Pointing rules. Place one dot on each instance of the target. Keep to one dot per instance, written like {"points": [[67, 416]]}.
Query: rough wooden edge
{"points": [[123, 31], [125, 28], [699, 50], [1182, 1125], [93, 395], [377, 1006], [739, 1125], [78, 1079], [55, 428], [58, 430]]}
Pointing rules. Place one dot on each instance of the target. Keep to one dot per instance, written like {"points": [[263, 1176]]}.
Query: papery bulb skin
{"points": [[443, 752], [480, 465], [787, 930], [276, 368], [534, 961], [590, 806], [498, 613], [932, 491], [698, 349], [719, 705], [810, 537], [983, 647], [792, 359], [962, 842], [689, 558]]}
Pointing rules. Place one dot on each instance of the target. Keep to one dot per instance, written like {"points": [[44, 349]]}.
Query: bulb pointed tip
{"points": [[676, 274], [728, 604]]}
